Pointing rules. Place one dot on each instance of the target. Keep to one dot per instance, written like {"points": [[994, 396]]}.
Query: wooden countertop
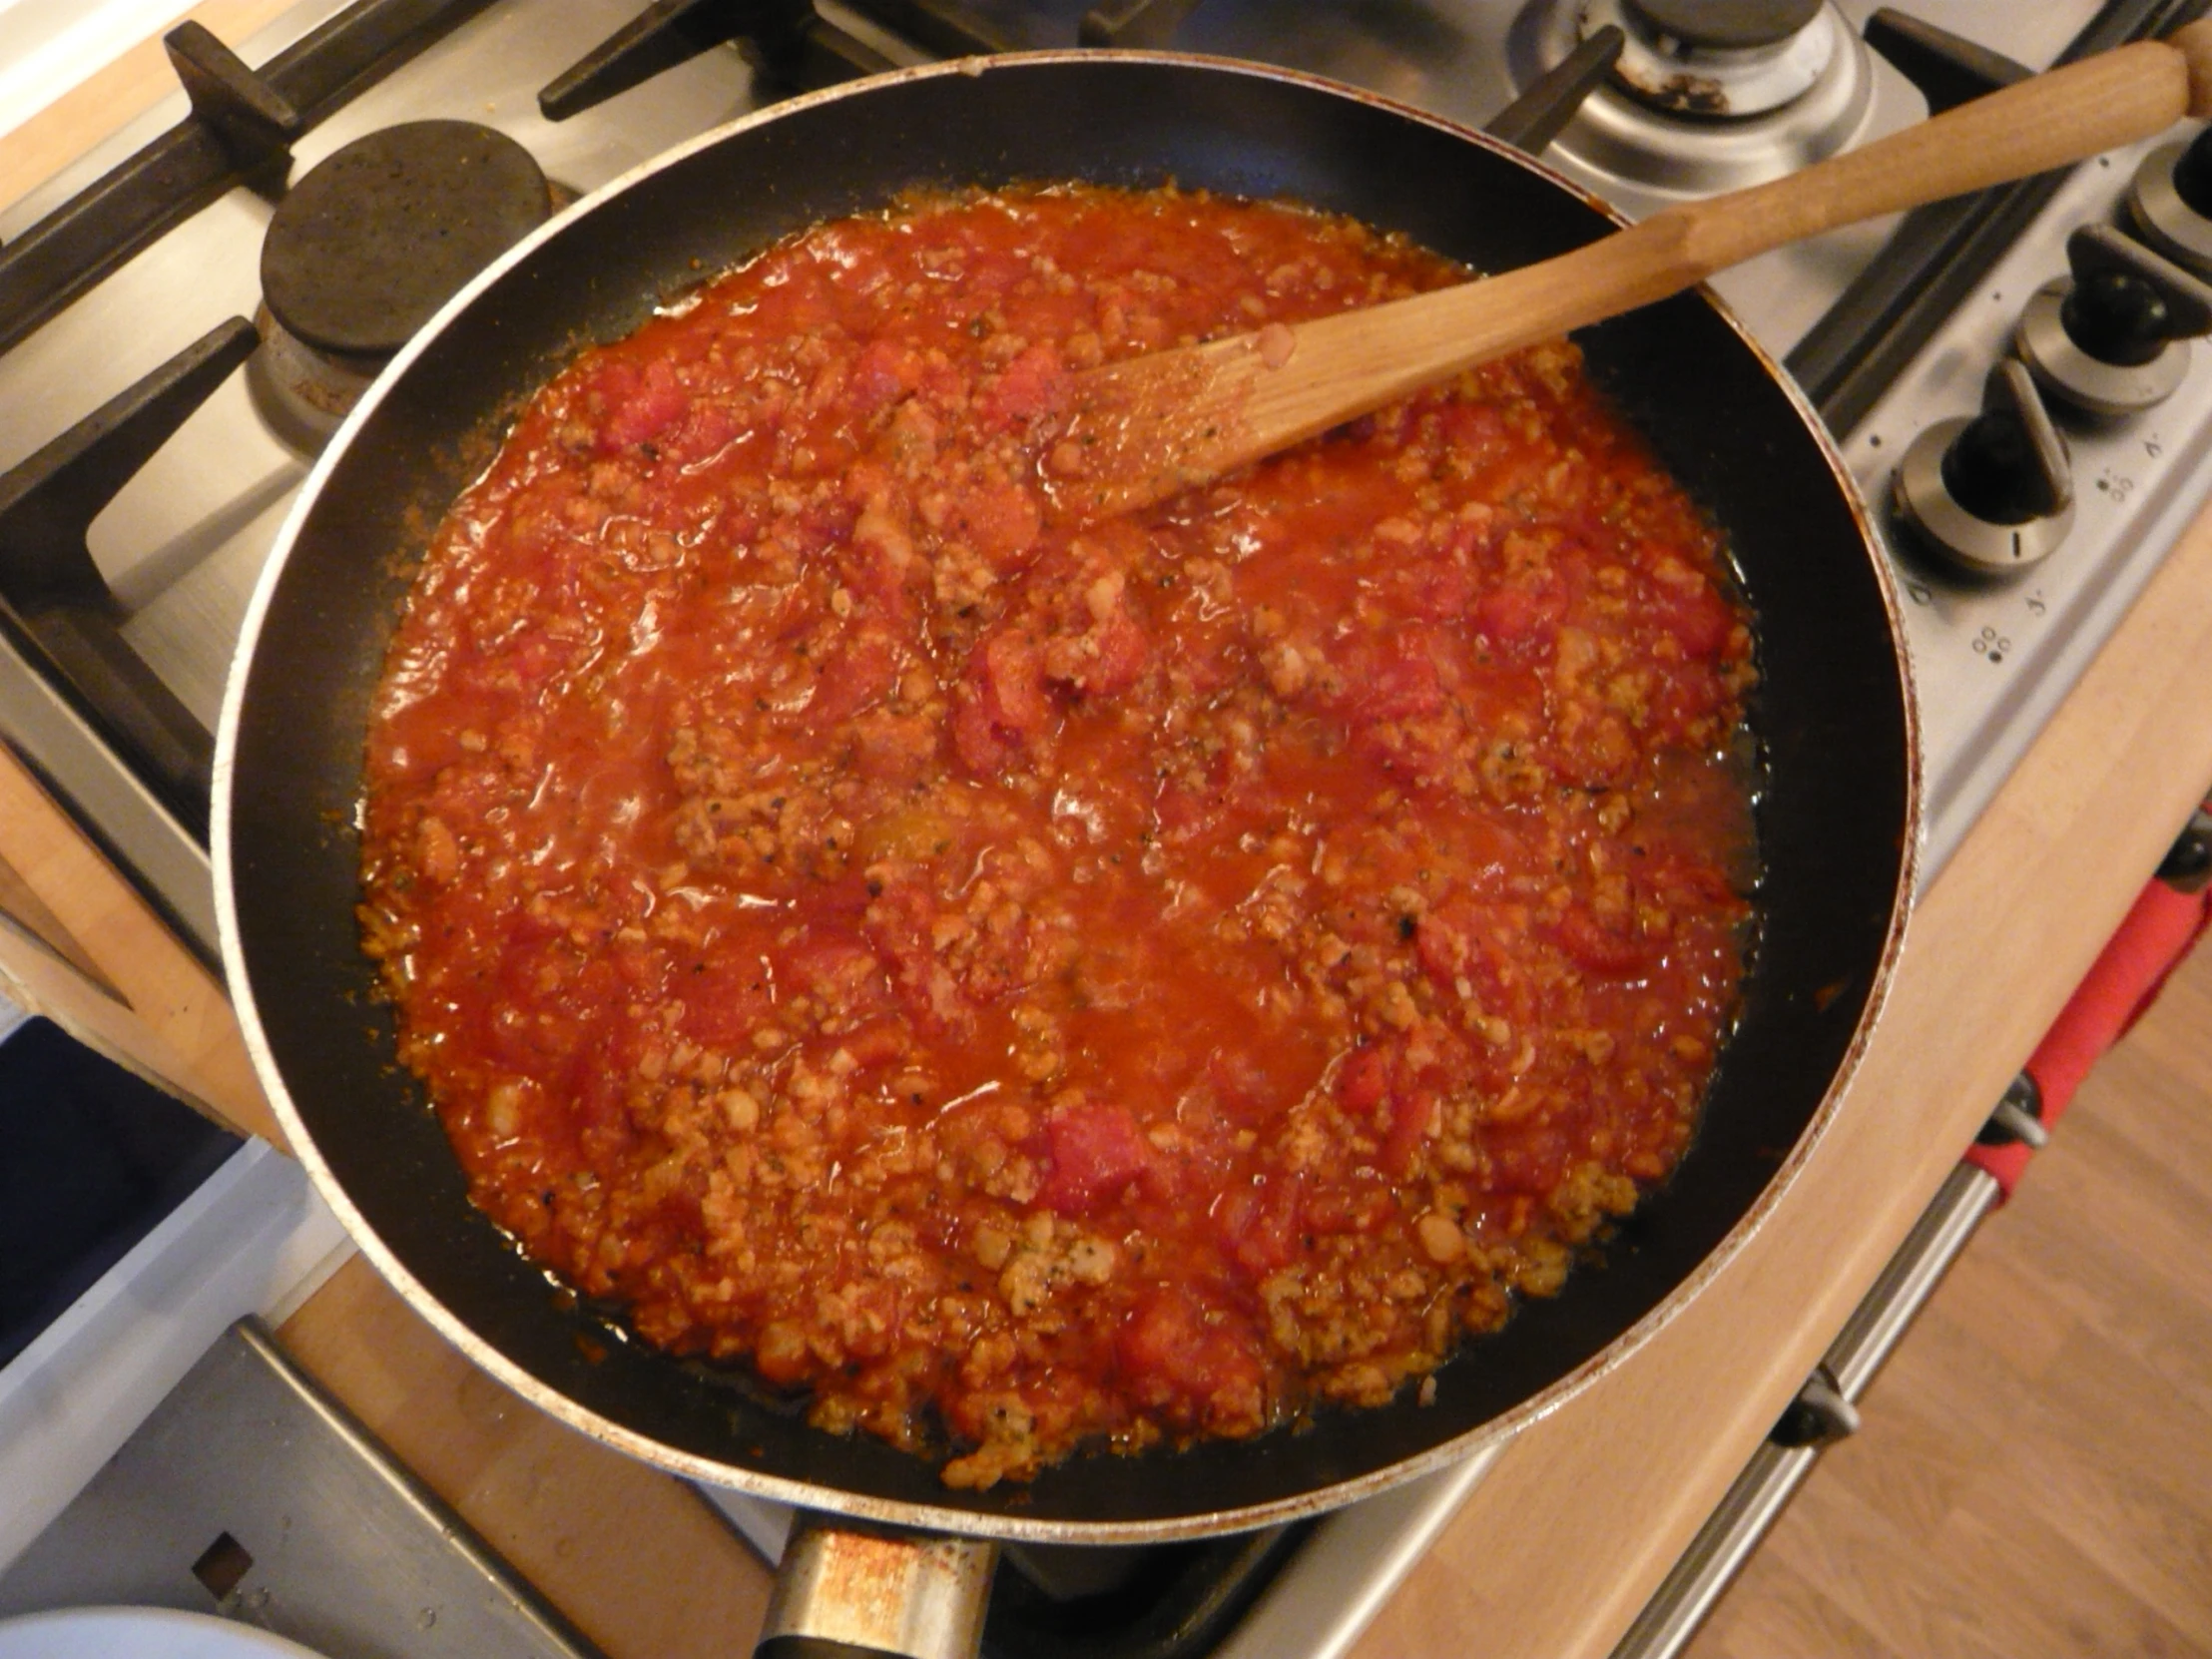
{"points": [[1560, 1547]]}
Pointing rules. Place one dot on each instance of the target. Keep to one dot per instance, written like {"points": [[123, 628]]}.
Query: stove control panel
{"points": [[2030, 479]]}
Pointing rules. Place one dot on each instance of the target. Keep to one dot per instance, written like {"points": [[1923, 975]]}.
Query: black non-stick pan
{"points": [[1833, 716]]}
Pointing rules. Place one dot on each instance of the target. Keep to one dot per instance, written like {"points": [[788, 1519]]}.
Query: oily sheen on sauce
{"points": [[1027, 986]]}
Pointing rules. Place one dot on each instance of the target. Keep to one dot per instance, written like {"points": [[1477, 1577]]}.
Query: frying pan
{"points": [[1833, 715]]}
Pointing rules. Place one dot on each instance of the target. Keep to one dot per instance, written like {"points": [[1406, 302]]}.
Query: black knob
{"points": [[1997, 469], [2117, 317], [1993, 493], [2017, 1116], [1819, 1416], [2193, 175], [2111, 341], [2130, 300], [1726, 25], [2188, 864]]}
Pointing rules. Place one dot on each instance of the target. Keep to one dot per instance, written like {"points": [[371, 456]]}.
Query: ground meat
{"points": [[1031, 986]]}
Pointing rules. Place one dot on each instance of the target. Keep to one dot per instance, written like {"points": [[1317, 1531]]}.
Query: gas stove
{"points": [[1892, 328]]}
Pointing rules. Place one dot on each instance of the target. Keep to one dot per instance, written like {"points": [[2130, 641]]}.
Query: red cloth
{"points": [[2127, 980]]}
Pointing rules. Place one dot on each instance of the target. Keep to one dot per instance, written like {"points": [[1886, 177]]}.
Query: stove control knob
{"points": [[2115, 338], [1994, 494], [2171, 202]]}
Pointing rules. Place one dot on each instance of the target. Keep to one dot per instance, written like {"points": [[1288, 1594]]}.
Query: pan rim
{"points": [[863, 1507]]}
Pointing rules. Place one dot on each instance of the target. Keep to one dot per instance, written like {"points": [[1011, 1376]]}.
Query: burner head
{"points": [[1718, 59], [1683, 117], [365, 248], [304, 393], [1726, 25]]}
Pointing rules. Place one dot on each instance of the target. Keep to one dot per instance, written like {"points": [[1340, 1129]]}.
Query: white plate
{"points": [[138, 1633]]}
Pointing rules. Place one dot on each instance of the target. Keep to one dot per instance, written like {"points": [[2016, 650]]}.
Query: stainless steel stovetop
{"points": [[184, 542]]}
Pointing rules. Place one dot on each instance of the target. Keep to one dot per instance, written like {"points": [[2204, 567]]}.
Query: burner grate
{"points": [[1171, 1601], [234, 136], [799, 50], [55, 607]]}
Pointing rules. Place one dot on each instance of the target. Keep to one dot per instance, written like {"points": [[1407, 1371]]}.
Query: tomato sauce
{"points": [[1026, 986]]}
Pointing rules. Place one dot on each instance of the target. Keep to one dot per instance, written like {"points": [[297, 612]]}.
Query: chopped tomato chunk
{"points": [[1092, 1153]]}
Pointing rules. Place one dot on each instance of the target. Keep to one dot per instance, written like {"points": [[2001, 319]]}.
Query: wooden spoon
{"points": [[1143, 429]]}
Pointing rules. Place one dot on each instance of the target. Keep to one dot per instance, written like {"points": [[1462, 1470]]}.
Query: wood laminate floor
{"points": [[2034, 1472]]}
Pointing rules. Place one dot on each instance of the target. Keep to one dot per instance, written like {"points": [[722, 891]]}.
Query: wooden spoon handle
{"points": [[1150, 426]]}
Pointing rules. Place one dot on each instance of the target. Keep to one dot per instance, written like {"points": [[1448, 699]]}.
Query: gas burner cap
{"points": [[1719, 58], [365, 248], [1727, 25], [1686, 119]]}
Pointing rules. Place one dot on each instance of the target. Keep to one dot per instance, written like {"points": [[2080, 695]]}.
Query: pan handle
{"points": [[847, 1591]]}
